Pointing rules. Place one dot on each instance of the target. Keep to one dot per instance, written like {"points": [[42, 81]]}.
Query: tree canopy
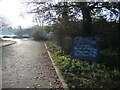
{"points": [[73, 11], [74, 18]]}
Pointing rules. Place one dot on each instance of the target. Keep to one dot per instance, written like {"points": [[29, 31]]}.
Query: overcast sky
{"points": [[15, 12]]}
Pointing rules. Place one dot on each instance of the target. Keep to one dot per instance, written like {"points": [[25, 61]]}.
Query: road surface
{"points": [[26, 65]]}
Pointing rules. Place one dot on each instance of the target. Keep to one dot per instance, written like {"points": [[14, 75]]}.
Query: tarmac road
{"points": [[26, 64]]}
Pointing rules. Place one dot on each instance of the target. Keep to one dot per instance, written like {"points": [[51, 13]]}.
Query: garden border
{"points": [[57, 71]]}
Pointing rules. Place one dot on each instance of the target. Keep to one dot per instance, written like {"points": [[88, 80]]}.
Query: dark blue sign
{"points": [[85, 48]]}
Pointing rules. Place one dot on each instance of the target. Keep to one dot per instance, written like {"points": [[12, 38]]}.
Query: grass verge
{"points": [[80, 74]]}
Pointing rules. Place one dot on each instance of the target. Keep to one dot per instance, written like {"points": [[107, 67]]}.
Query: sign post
{"points": [[69, 65], [94, 66], [85, 48]]}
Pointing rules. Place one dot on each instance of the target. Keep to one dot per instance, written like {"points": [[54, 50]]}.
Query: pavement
{"points": [[3, 43], [0, 68], [6, 43], [27, 64]]}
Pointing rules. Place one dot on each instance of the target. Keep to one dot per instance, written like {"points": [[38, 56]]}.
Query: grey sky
{"points": [[15, 12]]}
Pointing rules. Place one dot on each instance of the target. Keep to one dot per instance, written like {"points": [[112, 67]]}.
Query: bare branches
{"points": [[4, 22], [93, 6], [51, 11]]}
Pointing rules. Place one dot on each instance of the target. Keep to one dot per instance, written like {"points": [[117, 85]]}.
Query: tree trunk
{"points": [[119, 36], [87, 21]]}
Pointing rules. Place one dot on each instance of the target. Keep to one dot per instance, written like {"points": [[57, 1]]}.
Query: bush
{"points": [[39, 35], [67, 44]]}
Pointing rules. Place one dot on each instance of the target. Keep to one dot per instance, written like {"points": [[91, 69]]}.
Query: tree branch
{"points": [[93, 6]]}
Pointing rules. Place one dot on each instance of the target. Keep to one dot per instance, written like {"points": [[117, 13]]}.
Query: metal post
{"points": [[70, 64], [94, 68]]}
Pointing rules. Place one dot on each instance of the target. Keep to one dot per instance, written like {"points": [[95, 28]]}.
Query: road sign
{"points": [[85, 48]]}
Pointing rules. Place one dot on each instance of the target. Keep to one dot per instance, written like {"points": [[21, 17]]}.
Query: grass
{"points": [[81, 73]]}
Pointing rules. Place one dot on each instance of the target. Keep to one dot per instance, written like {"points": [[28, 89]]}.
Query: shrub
{"points": [[39, 35]]}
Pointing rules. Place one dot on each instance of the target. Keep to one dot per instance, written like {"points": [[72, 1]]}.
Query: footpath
{"points": [[6, 43], [42, 70]]}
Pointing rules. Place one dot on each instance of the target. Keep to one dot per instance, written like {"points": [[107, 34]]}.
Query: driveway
{"points": [[26, 64]]}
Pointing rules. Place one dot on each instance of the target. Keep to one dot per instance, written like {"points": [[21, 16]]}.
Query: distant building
{"points": [[7, 31]]}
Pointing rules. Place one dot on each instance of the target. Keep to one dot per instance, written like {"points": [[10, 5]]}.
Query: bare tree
{"points": [[4, 22]]}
